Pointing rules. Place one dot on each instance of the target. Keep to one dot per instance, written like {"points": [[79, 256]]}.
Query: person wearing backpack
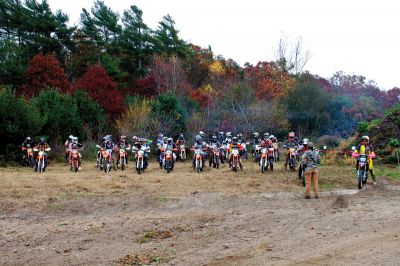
{"points": [[311, 159]]}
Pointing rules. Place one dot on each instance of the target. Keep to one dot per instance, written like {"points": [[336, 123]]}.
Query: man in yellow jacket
{"points": [[366, 148]]}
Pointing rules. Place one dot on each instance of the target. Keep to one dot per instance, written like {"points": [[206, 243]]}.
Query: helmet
{"points": [[28, 138], [165, 139], [42, 140], [306, 142], [240, 135], [365, 137], [221, 133], [229, 134], [197, 137], [134, 138], [266, 136], [256, 135], [202, 134], [291, 134], [310, 145], [160, 135], [170, 140], [181, 136], [214, 137], [234, 140], [271, 137], [70, 137]]}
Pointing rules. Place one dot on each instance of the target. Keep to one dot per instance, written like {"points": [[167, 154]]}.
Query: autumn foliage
{"points": [[44, 71], [100, 87]]}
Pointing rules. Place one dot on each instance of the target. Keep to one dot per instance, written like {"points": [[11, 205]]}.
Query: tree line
{"points": [[112, 73]]}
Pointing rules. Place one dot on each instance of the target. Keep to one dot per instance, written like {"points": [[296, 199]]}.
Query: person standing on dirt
{"points": [[365, 148], [311, 159]]}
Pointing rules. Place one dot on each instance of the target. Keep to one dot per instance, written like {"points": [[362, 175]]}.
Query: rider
{"points": [[266, 142], [181, 141], [142, 144], [290, 143], [28, 144], [159, 143], [74, 144], [43, 146], [232, 145], [203, 136], [67, 145], [364, 147], [302, 149], [123, 144], [221, 137], [199, 144]]}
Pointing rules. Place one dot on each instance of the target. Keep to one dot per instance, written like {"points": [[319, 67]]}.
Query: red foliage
{"points": [[148, 86], [44, 71], [268, 80], [392, 97], [226, 126], [100, 87], [202, 98]]}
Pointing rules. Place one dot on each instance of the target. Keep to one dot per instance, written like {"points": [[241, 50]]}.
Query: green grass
{"points": [[390, 173]]}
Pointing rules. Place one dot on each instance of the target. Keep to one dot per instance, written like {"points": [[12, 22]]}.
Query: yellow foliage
{"points": [[217, 68], [135, 118], [207, 89]]}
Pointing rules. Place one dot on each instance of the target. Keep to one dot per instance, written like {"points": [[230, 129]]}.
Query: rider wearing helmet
{"points": [[364, 147], [199, 144], [221, 137], [27, 144], [232, 145], [290, 143], [43, 146], [123, 144], [266, 142], [67, 145], [228, 138], [76, 145]]}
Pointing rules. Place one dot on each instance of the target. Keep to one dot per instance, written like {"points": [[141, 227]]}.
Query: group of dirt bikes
{"points": [[214, 154]]}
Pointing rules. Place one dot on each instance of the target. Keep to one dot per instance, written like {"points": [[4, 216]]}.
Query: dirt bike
{"points": [[270, 157], [108, 161], [198, 163], [100, 157], [362, 172], [28, 159], [215, 156], [168, 161], [182, 152], [41, 159], [263, 160], [139, 161], [292, 158], [74, 159], [122, 158], [235, 160], [276, 151]]}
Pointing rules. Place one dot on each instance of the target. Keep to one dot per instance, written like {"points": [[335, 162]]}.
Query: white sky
{"points": [[355, 36]]}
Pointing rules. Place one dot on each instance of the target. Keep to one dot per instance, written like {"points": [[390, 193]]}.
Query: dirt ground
{"points": [[183, 218]]}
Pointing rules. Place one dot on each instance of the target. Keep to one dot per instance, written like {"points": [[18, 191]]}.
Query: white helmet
{"points": [[70, 137]]}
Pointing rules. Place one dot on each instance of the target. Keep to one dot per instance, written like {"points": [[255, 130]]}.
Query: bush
{"points": [[330, 141], [18, 120], [60, 114]]}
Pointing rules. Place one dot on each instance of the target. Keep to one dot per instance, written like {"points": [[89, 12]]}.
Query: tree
{"points": [[306, 106], [43, 72], [292, 58], [18, 119], [136, 42], [167, 41], [168, 114], [100, 87], [60, 114], [92, 115]]}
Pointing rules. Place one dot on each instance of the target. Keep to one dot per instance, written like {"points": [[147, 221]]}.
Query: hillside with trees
{"points": [[114, 74]]}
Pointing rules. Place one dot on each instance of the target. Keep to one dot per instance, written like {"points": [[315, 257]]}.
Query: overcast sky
{"points": [[359, 37]]}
